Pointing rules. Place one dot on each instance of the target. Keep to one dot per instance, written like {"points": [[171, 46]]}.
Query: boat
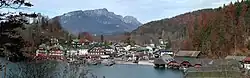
{"points": [[92, 62], [108, 62], [136, 60]]}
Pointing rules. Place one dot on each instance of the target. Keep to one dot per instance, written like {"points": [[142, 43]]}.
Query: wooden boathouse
{"points": [[184, 59], [162, 61], [219, 68], [181, 59]]}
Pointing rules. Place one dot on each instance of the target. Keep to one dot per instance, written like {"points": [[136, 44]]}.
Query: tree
{"points": [[50, 69], [10, 40], [128, 39], [85, 35], [168, 44], [102, 38]]}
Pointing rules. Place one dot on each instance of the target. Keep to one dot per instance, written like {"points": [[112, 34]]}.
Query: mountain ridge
{"points": [[98, 21]]}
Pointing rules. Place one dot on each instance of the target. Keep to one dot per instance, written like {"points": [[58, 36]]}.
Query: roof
{"points": [[57, 46], [139, 49], [209, 65], [164, 51], [223, 62], [159, 61], [162, 59], [208, 62], [166, 57], [188, 53], [246, 59], [238, 58], [213, 69], [181, 59]]}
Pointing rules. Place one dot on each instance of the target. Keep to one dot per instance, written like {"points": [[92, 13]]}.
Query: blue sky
{"points": [[143, 10]]}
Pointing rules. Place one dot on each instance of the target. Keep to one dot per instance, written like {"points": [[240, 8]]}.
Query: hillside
{"points": [[216, 32], [98, 21], [41, 30]]}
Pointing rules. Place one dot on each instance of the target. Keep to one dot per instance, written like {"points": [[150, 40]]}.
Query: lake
{"points": [[120, 71], [134, 71]]}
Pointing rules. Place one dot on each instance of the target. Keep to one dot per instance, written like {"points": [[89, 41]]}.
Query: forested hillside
{"points": [[41, 30], [216, 32]]}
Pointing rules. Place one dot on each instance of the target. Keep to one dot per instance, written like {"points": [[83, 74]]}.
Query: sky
{"points": [[144, 10]]}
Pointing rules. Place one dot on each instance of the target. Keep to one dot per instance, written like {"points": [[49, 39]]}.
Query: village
{"points": [[157, 56]]}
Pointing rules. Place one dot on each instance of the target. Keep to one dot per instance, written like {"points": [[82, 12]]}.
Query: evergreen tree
{"points": [[10, 40]]}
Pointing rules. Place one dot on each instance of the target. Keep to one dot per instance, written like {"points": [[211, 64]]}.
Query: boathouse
{"points": [[187, 58], [219, 68], [185, 62], [163, 60], [246, 63], [240, 59], [213, 72]]}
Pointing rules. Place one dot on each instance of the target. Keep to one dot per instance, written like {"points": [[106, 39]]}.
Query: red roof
{"points": [[42, 55], [172, 63], [246, 59], [83, 40]]}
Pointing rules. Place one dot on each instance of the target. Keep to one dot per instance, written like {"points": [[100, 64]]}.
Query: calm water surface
{"points": [[125, 71], [134, 71]]}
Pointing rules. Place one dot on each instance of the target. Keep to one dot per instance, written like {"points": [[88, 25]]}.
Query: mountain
{"points": [[98, 21], [215, 32]]}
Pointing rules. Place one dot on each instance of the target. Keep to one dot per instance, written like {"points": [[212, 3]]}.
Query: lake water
{"points": [[134, 71], [123, 71]]}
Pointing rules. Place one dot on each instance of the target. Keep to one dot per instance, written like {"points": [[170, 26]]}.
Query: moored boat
{"points": [[108, 62]]}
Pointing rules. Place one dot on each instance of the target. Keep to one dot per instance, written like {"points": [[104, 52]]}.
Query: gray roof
{"points": [[188, 53], [166, 57], [208, 62], [162, 59], [213, 69], [181, 59], [209, 65], [238, 58], [224, 62], [159, 61]]}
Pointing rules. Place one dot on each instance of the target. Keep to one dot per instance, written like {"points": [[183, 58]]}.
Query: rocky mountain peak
{"points": [[131, 19], [98, 21]]}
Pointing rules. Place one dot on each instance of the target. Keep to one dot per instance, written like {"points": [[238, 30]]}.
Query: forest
{"points": [[216, 32]]}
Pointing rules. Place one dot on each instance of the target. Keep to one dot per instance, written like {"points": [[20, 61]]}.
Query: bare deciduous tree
{"points": [[50, 69]]}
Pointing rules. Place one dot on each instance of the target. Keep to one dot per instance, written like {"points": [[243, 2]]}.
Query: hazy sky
{"points": [[143, 10]]}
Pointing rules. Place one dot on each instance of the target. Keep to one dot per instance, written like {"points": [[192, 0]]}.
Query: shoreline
{"points": [[131, 63]]}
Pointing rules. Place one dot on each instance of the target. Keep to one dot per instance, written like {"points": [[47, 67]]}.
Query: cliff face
{"points": [[216, 32]]}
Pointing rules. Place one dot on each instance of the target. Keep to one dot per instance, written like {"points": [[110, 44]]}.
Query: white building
{"points": [[83, 51], [150, 49]]}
